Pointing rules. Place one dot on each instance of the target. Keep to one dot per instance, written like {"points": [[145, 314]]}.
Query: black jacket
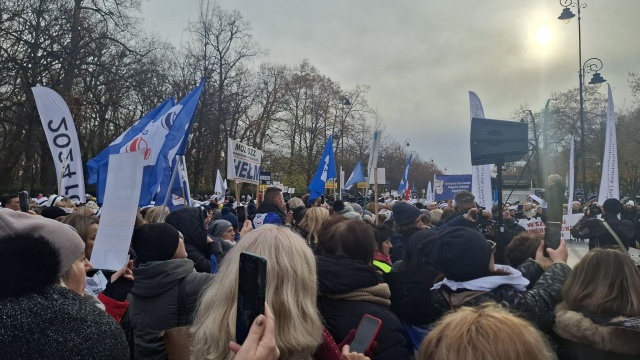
{"points": [[411, 294], [190, 223], [598, 234], [154, 302], [536, 303], [339, 276]]}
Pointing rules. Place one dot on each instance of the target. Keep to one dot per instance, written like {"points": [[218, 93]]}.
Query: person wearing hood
{"points": [[199, 246], [406, 221], [272, 209], [223, 232], [163, 275], [595, 230], [465, 258]]}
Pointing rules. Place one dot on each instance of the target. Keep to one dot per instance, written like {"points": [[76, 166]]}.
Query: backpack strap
{"points": [[615, 236]]}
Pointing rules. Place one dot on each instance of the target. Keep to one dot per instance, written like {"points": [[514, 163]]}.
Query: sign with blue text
{"points": [[446, 186], [243, 162]]}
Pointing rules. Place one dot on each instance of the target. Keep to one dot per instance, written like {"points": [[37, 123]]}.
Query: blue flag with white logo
{"points": [[98, 166], [404, 182], [326, 170], [179, 194], [356, 176]]}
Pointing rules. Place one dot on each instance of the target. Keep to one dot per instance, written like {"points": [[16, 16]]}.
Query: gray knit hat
{"points": [[218, 227], [61, 236]]}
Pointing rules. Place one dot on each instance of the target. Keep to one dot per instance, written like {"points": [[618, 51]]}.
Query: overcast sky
{"points": [[422, 57]]}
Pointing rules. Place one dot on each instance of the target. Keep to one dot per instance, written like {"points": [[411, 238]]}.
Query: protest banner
{"points": [[118, 213], [243, 162], [446, 186], [63, 142]]}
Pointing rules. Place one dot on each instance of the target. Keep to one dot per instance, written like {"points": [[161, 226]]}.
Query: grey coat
{"points": [[154, 302]]}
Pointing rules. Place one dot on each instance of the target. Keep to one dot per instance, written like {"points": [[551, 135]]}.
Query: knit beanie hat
{"points": [[218, 227], [404, 213], [229, 216], [612, 206], [461, 253], [338, 206], [60, 236], [155, 242]]}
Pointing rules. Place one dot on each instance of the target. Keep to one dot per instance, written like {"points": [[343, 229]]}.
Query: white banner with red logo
{"points": [[536, 226], [63, 142]]}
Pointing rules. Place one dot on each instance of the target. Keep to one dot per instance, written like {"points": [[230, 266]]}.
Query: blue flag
{"points": [[405, 181], [326, 170], [176, 142], [356, 176], [179, 188], [98, 166]]}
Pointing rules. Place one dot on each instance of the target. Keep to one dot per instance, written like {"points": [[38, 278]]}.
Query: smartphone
{"points": [[366, 333], [520, 207], [23, 197], [252, 287]]}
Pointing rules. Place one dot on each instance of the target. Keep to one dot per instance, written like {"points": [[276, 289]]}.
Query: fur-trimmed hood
{"points": [[576, 327]]}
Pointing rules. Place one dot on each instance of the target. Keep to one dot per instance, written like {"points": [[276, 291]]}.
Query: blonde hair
{"points": [[312, 222], [291, 294], [66, 203], [295, 202], [153, 215], [436, 215], [485, 332], [604, 282]]}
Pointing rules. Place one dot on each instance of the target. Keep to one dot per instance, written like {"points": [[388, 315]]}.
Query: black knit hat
{"points": [[612, 206], [155, 242], [405, 213], [461, 253], [53, 212]]}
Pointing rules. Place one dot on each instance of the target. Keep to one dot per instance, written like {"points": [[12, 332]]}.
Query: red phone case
{"points": [[365, 320]]}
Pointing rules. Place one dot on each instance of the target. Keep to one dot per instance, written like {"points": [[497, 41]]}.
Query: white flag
{"points": [[221, 185], [429, 193], [480, 174], [63, 142], [609, 183]]}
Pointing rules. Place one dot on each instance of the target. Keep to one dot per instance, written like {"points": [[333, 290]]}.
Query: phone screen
{"points": [[252, 280], [366, 333], [23, 197]]}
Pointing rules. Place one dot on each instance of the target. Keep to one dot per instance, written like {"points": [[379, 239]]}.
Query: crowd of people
{"points": [[447, 280]]}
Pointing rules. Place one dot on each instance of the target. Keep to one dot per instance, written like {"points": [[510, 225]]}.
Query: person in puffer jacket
{"points": [[465, 258]]}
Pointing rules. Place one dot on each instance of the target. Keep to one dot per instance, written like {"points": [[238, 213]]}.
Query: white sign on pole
{"points": [[243, 162], [119, 210], [381, 177]]}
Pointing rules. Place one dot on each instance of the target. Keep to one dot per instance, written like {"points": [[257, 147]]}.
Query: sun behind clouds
{"points": [[543, 35]]}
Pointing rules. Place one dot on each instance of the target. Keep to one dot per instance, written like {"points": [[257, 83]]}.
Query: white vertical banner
{"points": [[429, 193], [118, 214], [609, 182], [480, 174], [571, 177], [375, 148], [63, 142]]}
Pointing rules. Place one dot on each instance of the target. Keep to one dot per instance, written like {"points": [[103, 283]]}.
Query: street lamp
{"points": [[346, 104], [591, 65]]}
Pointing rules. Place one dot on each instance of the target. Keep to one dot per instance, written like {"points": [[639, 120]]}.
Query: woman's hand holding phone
{"points": [[261, 341]]}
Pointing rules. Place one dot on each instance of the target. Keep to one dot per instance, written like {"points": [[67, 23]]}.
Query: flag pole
{"points": [[166, 198], [184, 197], [375, 192]]}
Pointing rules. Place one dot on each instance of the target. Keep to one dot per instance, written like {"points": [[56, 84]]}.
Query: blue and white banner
{"points": [[404, 182], [179, 193], [610, 182], [243, 162], [326, 170], [63, 142], [481, 183], [356, 176], [446, 186]]}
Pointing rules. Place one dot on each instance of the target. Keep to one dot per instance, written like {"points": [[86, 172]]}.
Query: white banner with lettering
{"points": [[536, 226], [63, 142], [609, 182], [243, 162], [481, 174]]}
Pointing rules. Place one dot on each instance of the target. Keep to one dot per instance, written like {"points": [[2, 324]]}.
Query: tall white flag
{"points": [[373, 155], [429, 193], [571, 177], [609, 183], [221, 185], [480, 174], [63, 142]]}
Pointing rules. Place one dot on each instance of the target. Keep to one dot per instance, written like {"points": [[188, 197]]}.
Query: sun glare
{"points": [[543, 35]]}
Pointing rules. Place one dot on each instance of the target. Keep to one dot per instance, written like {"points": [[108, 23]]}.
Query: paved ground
{"points": [[576, 251]]}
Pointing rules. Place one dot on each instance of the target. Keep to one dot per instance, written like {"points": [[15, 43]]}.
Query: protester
{"points": [[406, 219], [436, 216], [486, 332], [291, 295], [311, 224], [164, 277], [199, 246], [382, 254], [510, 229], [466, 260], [40, 318], [155, 215], [595, 230], [601, 304], [523, 246], [272, 209], [221, 231], [10, 201], [349, 287]]}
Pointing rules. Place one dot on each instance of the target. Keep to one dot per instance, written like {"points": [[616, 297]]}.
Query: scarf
{"points": [[488, 283], [269, 207], [377, 294]]}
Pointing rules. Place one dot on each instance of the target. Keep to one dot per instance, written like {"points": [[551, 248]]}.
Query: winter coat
{"points": [[268, 213], [599, 235], [337, 277], [411, 294], [56, 323], [190, 223], [154, 302], [584, 337], [536, 303]]}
